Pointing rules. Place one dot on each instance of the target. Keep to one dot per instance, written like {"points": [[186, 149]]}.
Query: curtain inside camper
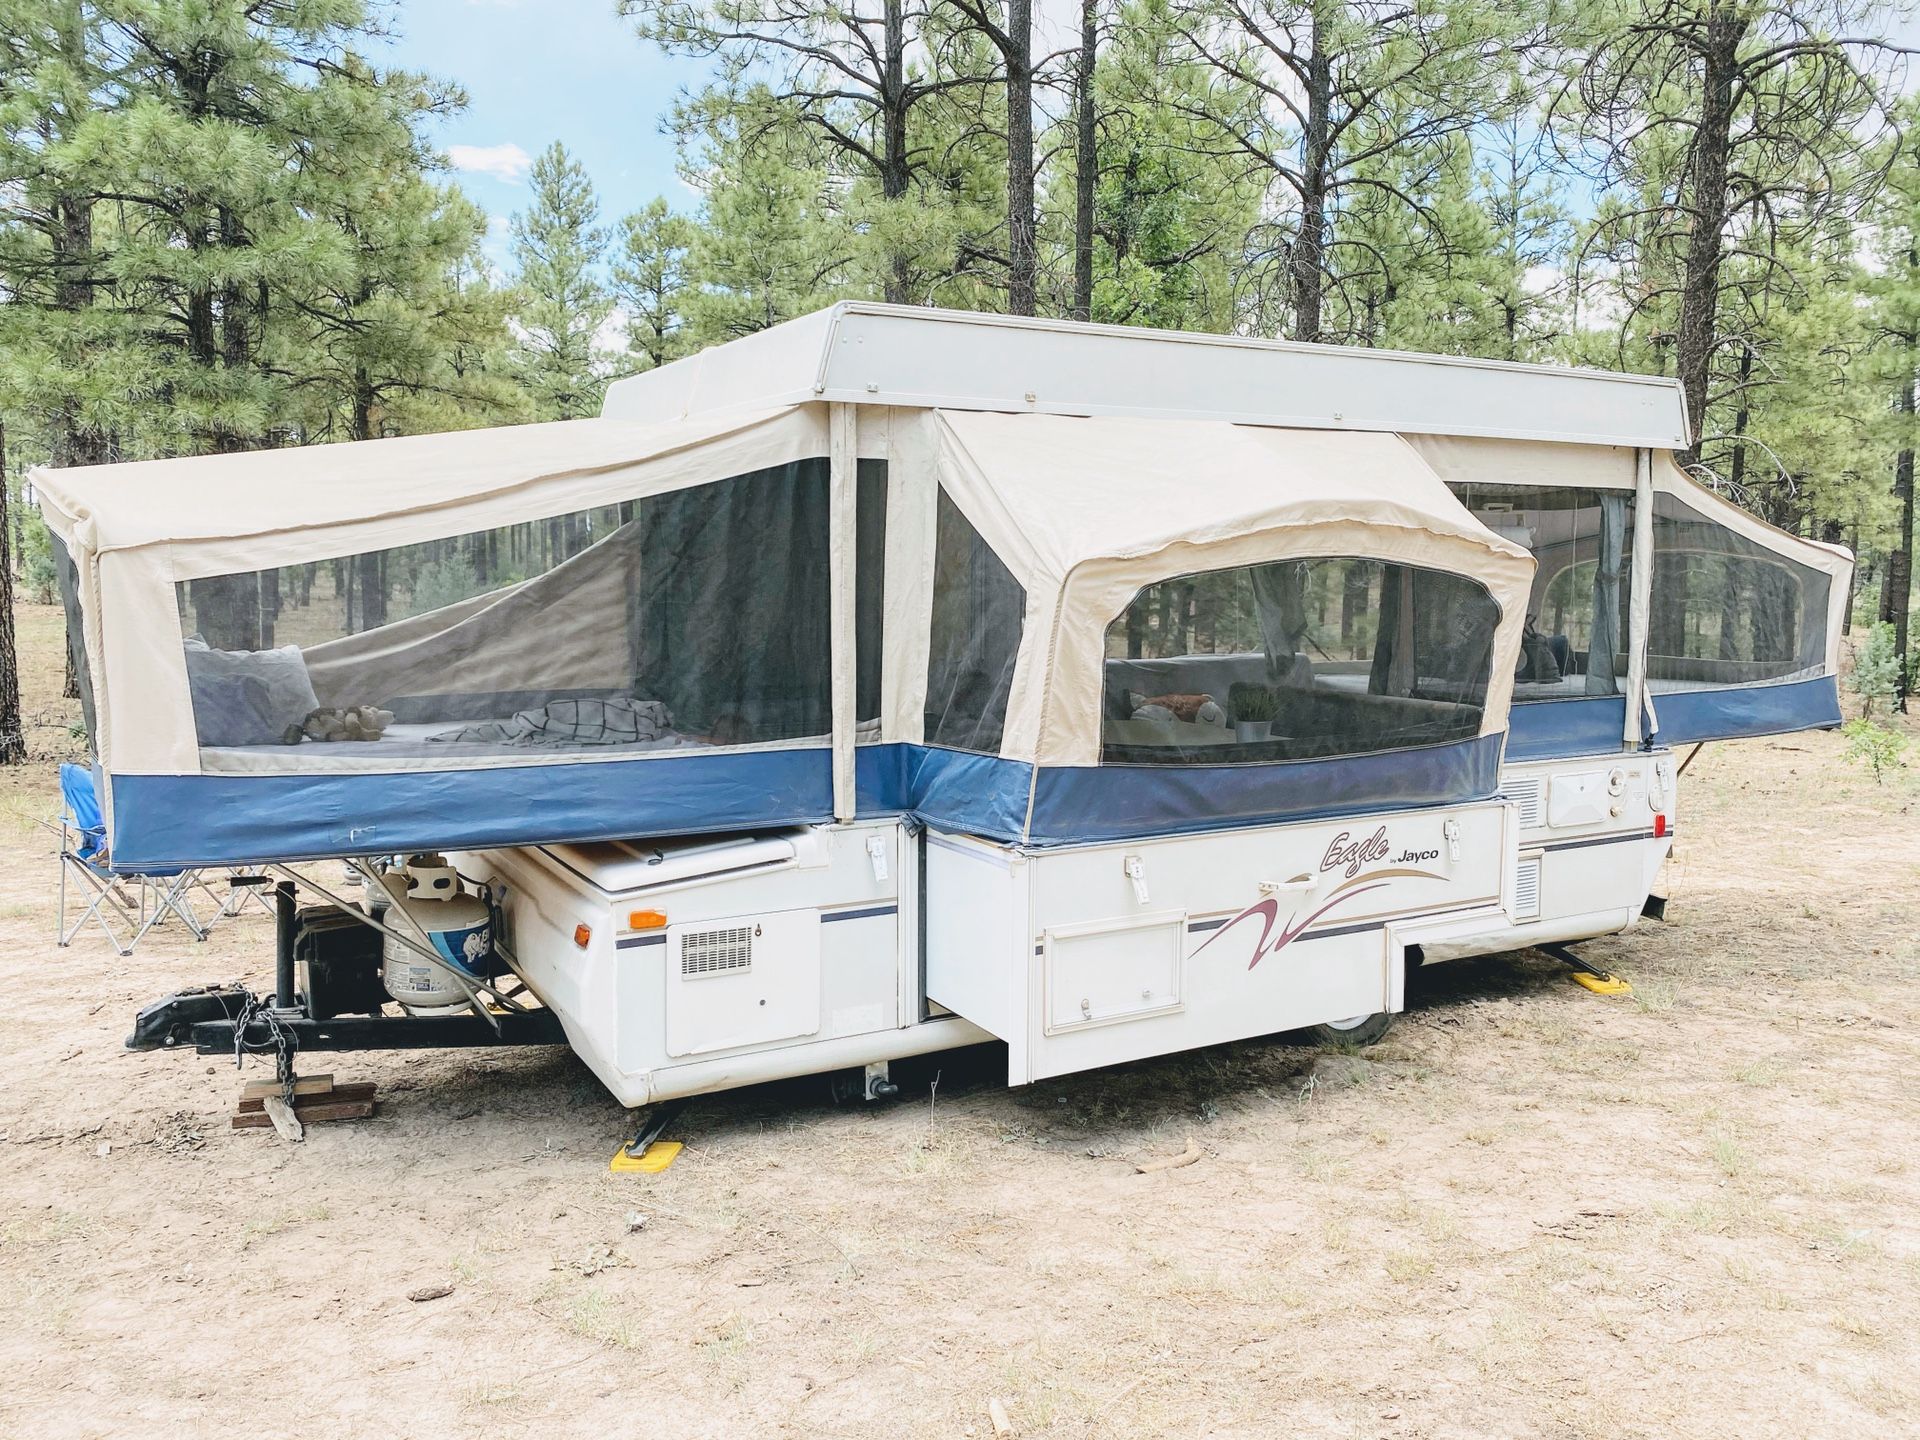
{"points": [[1331, 656], [695, 618], [1577, 619], [979, 609], [1726, 609]]}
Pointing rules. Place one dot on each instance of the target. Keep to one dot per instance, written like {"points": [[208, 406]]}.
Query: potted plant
{"points": [[1253, 708]]}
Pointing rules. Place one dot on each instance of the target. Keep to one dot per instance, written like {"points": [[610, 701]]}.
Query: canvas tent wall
{"points": [[607, 695], [1735, 624], [1744, 620], [987, 571]]}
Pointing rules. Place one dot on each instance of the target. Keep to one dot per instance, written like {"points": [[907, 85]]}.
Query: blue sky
{"points": [[536, 71]]}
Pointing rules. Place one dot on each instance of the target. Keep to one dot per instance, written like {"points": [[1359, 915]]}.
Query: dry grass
{"points": [[1692, 1213]]}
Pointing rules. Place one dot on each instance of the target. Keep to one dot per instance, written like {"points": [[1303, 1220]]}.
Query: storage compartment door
{"points": [[980, 948], [743, 981], [1113, 970]]}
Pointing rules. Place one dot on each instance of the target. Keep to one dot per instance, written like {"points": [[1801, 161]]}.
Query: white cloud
{"points": [[507, 162]]}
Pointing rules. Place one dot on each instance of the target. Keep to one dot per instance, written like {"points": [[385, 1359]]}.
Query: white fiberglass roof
{"points": [[958, 360]]}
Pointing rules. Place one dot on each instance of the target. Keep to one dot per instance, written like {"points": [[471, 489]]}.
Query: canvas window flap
{"points": [[1085, 511]]}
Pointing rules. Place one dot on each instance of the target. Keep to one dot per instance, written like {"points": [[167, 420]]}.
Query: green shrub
{"points": [[443, 582], [1876, 669], [1875, 745], [39, 580]]}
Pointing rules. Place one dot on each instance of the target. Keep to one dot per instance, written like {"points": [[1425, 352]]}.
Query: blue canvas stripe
{"points": [[1556, 729], [1073, 804], [240, 819], [1740, 712]]}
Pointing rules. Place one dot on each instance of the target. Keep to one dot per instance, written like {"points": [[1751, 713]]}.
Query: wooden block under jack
{"points": [[353, 1100], [302, 1085], [350, 1092]]}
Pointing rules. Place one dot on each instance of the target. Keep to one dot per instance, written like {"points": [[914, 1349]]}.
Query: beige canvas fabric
{"points": [[1085, 511], [550, 631], [1833, 561], [1465, 460], [135, 530]]}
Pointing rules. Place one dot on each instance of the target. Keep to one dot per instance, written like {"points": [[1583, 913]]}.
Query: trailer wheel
{"points": [[1360, 1030]]}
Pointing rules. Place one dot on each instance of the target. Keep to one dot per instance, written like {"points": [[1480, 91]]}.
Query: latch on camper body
{"points": [[1136, 869], [877, 853], [1299, 885], [1452, 831]]}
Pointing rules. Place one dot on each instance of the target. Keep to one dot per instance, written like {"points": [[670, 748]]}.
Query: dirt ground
{"points": [[1538, 1212]]}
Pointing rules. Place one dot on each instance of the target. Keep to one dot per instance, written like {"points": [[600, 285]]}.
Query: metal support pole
{"points": [[843, 469], [284, 996], [1641, 722]]}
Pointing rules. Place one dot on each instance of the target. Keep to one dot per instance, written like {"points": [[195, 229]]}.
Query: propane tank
{"points": [[426, 900]]}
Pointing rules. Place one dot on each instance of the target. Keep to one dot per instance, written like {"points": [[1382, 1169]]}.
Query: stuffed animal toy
{"points": [[1194, 709], [330, 723]]}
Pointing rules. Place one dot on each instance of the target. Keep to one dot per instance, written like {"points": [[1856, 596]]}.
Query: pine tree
{"points": [[1006, 28], [58, 344], [13, 735], [381, 352], [651, 283], [1169, 220], [1339, 102], [770, 244], [557, 249], [848, 74], [1737, 128]]}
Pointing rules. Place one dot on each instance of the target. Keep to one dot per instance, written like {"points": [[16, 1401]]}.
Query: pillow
{"points": [[247, 697]]}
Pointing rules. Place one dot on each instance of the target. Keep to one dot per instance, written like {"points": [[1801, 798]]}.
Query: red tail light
{"points": [[1659, 826]]}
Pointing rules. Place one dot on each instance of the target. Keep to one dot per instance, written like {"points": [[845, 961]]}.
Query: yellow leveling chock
{"points": [[1605, 983], [655, 1158], [1600, 982], [646, 1153]]}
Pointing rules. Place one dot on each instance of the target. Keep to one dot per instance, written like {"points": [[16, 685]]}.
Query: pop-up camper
{"points": [[896, 678]]}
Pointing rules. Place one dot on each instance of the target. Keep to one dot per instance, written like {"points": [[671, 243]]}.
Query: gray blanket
{"points": [[570, 724]]}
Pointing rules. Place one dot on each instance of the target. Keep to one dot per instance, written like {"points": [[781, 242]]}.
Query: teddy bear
{"points": [[331, 723]]}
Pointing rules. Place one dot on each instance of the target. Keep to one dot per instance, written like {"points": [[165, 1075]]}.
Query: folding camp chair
{"points": [[133, 903]]}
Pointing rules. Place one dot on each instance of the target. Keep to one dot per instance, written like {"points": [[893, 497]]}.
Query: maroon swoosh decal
{"points": [[1269, 911], [1292, 933]]}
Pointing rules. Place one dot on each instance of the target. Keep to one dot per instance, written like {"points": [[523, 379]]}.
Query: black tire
{"points": [[1367, 1030]]}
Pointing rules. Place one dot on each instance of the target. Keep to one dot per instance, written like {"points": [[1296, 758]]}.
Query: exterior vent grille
{"points": [[1527, 795], [716, 952], [1526, 890]]}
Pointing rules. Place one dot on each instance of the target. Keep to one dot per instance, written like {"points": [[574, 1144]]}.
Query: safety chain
{"points": [[281, 1040]]}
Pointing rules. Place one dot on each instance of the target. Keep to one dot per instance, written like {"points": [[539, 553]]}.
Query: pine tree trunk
{"points": [[1023, 274], [1308, 261], [1896, 593], [1086, 171], [1706, 198], [13, 733], [896, 174]]}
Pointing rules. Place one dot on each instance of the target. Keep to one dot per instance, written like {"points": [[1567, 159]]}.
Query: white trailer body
{"points": [[896, 678]]}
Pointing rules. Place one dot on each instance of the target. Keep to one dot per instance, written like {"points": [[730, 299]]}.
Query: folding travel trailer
{"points": [[894, 679]]}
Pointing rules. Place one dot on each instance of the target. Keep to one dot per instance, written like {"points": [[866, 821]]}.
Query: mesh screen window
{"points": [[979, 610], [1300, 659], [696, 618], [1578, 616], [1727, 610]]}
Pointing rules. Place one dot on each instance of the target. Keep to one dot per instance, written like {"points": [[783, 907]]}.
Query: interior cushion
{"points": [[247, 697]]}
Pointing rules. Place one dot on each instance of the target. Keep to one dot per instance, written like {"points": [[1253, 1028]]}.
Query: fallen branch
{"points": [[1172, 1162]]}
